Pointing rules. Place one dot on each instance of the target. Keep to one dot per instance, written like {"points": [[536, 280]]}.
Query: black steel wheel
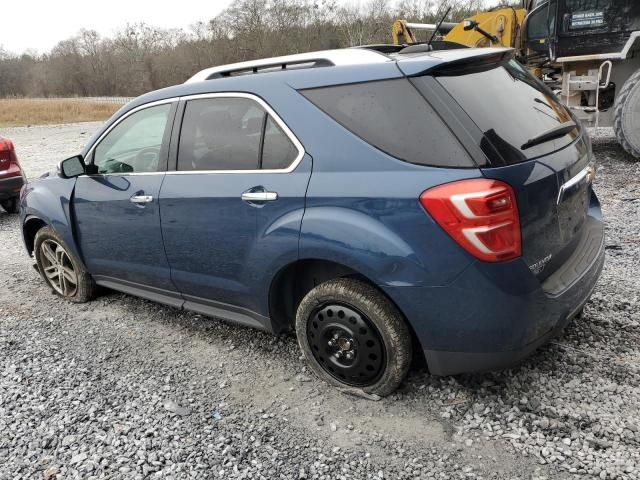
{"points": [[59, 267], [346, 344], [353, 336]]}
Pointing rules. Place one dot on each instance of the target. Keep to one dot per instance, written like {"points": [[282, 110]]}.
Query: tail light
{"points": [[9, 165], [481, 215]]}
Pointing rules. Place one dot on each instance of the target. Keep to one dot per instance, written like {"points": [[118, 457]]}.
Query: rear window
{"points": [[510, 107], [392, 116]]}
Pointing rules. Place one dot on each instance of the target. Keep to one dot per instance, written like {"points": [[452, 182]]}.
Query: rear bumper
{"points": [[451, 363], [494, 315], [10, 187]]}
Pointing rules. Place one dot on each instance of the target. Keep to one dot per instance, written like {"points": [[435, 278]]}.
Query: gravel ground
{"points": [[124, 388]]}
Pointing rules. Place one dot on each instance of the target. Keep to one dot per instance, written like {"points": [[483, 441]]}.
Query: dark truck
{"points": [[587, 52]]}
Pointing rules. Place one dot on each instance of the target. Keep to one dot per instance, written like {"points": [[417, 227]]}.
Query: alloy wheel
{"points": [[58, 269], [346, 344]]}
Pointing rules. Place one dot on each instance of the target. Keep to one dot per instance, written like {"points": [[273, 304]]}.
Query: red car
{"points": [[12, 176]]}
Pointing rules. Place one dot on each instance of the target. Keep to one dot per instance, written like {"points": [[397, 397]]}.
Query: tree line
{"points": [[142, 57]]}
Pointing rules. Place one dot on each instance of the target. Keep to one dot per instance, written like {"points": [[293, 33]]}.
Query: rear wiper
{"points": [[555, 132]]}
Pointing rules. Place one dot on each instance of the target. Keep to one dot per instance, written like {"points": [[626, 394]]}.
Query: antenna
{"points": [[438, 27]]}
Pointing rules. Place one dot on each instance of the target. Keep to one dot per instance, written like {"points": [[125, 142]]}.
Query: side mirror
{"points": [[71, 167]]}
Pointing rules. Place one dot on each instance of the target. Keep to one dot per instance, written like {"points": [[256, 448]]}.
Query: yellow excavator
{"points": [[496, 28], [587, 52]]}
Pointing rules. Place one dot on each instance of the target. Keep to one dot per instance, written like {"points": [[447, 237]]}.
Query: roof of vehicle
{"points": [[326, 60], [339, 57], [323, 58], [309, 70]]}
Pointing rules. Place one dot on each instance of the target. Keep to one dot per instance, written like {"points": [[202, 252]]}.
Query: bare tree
{"points": [[142, 57]]}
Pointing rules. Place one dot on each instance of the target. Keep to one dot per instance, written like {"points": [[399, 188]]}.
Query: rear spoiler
{"points": [[454, 62]]}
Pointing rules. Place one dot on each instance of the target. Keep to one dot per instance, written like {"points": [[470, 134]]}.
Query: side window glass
{"points": [[392, 116], [537, 24], [278, 151], [220, 134], [134, 145]]}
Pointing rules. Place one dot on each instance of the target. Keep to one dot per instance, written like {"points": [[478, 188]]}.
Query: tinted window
{"points": [[538, 24], [220, 134], [392, 116], [278, 150], [134, 145], [510, 107]]}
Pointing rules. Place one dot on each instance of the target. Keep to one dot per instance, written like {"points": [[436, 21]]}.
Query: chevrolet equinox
{"points": [[383, 203]]}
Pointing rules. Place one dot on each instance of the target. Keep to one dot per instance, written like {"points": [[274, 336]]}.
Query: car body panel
{"points": [[384, 233], [208, 232], [278, 230], [118, 238], [245, 245], [48, 200]]}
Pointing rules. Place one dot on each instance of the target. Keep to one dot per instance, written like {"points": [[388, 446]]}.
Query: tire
{"points": [[626, 123], [10, 205], [50, 252], [348, 326]]}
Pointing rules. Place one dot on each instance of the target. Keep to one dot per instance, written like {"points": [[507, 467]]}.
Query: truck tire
{"points": [[626, 122]]}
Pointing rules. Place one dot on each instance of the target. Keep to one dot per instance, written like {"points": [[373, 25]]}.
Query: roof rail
{"points": [[383, 47], [325, 58]]}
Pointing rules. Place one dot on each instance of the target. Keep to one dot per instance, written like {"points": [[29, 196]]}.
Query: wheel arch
{"points": [[49, 201], [30, 228], [295, 280]]}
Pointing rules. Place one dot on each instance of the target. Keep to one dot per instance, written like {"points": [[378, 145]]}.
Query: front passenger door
{"points": [[117, 210]]}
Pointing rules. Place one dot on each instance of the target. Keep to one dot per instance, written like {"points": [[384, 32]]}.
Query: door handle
{"points": [[141, 199], [259, 196]]}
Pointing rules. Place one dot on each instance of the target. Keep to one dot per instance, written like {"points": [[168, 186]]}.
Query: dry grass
{"points": [[20, 112]]}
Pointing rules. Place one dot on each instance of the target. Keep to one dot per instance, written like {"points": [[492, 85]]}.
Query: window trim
{"points": [[285, 128], [178, 122], [170, 120]]}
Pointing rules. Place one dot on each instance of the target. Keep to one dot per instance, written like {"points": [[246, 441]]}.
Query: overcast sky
{"points": [[40, 24]]}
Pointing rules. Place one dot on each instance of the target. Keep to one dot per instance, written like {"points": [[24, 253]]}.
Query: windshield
{"points": [[511, 108]]}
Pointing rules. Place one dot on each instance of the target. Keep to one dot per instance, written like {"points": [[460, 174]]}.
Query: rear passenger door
{"points": [[233, 204]]}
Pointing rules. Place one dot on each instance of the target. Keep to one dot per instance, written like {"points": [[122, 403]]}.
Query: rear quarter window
{"points": [[392, 116]]}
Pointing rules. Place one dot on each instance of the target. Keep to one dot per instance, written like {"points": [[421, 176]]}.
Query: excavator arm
{"points": [[402, 32], [503, 25], [497, 28]]}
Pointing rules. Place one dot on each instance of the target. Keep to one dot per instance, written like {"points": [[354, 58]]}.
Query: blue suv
{"points": [[386, 204]]}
